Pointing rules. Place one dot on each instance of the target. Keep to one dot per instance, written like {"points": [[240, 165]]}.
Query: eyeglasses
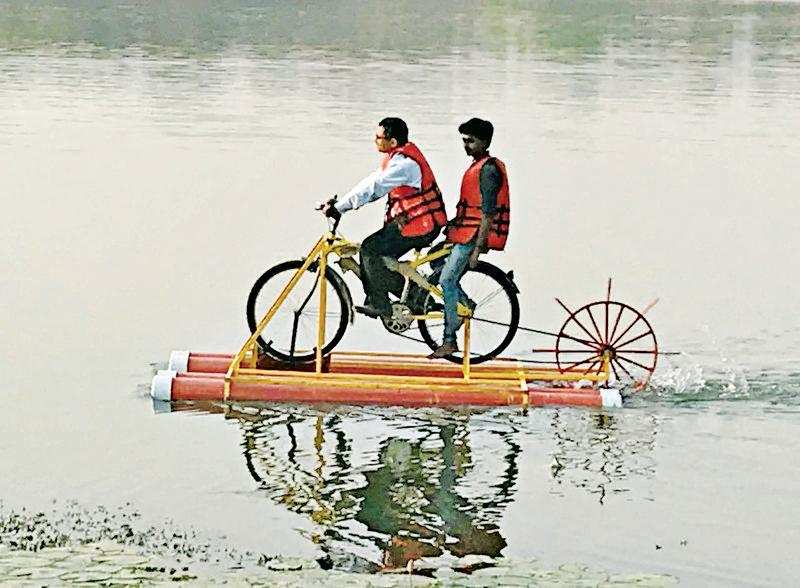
{"points": [[468, 139], [379, 138]]}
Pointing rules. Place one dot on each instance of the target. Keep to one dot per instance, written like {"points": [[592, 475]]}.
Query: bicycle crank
{"points": [[402, 318]]}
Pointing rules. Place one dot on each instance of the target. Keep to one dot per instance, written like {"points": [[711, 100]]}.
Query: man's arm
{"points": [[401, 171], [490, 182]]}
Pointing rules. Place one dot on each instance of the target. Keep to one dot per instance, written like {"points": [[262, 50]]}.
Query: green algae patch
{"points": [[91, 547], [116, 565]]}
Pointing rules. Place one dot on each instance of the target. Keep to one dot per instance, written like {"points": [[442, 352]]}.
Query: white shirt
{"points": [[401, 171]]}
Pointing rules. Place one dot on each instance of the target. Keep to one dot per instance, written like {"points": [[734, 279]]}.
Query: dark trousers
{"points": [[378, 279]]}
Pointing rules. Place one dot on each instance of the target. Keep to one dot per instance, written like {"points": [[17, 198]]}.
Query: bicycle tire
{"points": [[497, 275], [290, 267]]}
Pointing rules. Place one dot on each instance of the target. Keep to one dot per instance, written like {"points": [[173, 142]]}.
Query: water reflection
{"points": [[394, 491], [383, 487], [559, 29], [602, 453]]}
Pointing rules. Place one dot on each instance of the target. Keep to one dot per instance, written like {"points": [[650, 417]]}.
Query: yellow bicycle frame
{"points": [[328, 244]]}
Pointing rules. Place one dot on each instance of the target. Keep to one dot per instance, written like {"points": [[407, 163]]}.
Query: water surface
{"points": [[155, 158]]}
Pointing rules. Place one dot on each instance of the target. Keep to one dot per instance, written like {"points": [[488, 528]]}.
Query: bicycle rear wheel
{"points": [[495, 296], [291, 335]]}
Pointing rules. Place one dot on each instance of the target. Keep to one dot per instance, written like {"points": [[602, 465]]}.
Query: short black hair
{"points": [[395, 128], [482, 129]]}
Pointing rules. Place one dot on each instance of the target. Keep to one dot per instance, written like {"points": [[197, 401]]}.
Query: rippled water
{"points": [[156, 157]]}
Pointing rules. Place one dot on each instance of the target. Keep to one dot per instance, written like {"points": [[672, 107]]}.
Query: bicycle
{"points": [[294, 336]]}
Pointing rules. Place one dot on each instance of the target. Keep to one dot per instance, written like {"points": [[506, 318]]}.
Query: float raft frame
{"points": [[377, 378], [413, 379], [352, 377]]}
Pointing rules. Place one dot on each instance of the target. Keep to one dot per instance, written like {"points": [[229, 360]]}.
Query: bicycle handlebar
{"points": [[335, 223], [335, 218]]}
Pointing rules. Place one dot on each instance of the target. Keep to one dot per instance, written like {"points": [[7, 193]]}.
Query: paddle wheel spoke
{"points": [[636, 363], [629, 341], [616, 373], [594, 363], [585, 330], [573, 317], [616, 323], [630, 326], [569, 367], [622, 367], [590, 344], [596, 328], [608, 300]]}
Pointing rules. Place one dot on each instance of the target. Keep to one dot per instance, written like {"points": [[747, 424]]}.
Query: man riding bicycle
{"points": [[415, 212]]}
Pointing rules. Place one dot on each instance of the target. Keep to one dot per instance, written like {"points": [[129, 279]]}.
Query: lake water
{"points": [[155, 158]]}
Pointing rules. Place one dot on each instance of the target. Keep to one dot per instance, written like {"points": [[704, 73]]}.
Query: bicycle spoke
{"points": [[488, 297], [314, 312]]}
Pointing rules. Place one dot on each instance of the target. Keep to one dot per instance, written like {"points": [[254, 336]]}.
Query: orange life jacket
{"points": [[418, 211], [464, 227]]}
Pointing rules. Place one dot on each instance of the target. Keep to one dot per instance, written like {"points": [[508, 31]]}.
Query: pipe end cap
{"points": [[161, 388], [179, 361], [611, 398]]}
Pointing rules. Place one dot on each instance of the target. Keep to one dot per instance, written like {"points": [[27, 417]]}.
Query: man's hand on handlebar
{"points": [[329, 209], [332, 212]]}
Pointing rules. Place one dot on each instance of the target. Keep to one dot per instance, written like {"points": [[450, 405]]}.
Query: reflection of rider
{"points": [[481, 222], [414, 212], [415, 493], [421, 512]]}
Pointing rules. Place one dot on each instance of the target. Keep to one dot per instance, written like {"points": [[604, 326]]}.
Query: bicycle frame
{"points": [[408, 269], [327, 244]]}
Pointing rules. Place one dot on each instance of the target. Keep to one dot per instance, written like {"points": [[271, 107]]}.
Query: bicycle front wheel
{"points": [[291, 335], [494, 320]]}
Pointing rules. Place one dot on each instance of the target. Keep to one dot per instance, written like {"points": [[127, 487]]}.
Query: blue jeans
{"points": [[450, 280]]}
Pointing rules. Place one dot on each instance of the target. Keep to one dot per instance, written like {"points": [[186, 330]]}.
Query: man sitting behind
{"points": [[415, 211], [481, 223]]}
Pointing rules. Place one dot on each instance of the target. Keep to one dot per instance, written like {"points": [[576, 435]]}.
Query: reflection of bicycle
{"points": [[293, 332], [417, 486]]}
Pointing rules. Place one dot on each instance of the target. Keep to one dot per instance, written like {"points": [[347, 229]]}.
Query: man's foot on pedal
{"points": [[445, 349], [372, 312]]}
